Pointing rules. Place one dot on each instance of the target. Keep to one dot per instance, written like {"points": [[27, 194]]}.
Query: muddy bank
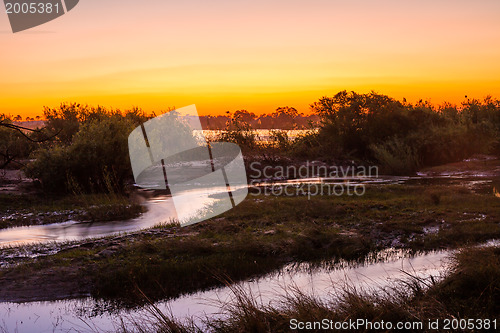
{"points": [[258, 236], [28, 273]]}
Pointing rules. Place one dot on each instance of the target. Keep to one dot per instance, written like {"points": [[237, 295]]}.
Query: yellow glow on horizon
{"points": [[255, 55]]}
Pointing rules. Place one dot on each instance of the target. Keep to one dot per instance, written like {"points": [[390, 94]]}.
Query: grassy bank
{"points": [[266, 232], [470, 291], [35, 209], [262, 234]]}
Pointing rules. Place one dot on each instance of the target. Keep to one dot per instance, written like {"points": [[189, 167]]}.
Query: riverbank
{"points": [[36, 209], [22, 204], [467, 299], [258, 236]]}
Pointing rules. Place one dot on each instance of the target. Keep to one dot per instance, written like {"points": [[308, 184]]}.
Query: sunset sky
{"points": [[250, 54]]}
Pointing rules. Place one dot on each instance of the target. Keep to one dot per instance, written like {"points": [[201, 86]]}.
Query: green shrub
{"points": [[65, 121], [396, 157], [279, 139], [402, 136], [241, 133], [97, 159]]}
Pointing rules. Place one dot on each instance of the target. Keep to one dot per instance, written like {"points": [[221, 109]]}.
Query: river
{"points": [[159, 208], [377, 274]]}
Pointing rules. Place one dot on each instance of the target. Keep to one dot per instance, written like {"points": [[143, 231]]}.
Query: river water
{"points": [[379, 274], [160, 208]]}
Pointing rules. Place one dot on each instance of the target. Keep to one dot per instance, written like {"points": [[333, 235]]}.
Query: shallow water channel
{"points": [[159, 208], [380, 272]]}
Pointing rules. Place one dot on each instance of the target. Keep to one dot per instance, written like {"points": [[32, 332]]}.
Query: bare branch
{"points": [[21, 130]]}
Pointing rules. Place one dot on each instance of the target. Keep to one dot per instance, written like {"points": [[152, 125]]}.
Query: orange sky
{"points": [[255, 55]]}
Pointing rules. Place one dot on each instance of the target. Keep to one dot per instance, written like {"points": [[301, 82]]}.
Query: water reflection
{"points": [[160, 209], [84, 315]]}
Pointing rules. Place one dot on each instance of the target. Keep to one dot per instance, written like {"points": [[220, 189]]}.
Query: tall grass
{"points": [[396, 157], [471, 289]]}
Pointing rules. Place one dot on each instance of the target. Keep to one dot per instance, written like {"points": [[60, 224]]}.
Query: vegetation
{"points": [[90, 153], [265, 232], [88, 157], [15, 144], [286, 118], [401, 136], [471, 290], [258, 237], [32, 209], [372, 128]]}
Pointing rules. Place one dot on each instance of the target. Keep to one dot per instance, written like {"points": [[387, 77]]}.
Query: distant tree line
{"points": [[85, 149], [286, 118], [18, 118]]}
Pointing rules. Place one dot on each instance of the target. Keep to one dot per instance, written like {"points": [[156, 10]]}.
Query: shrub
{"points": [[402, 136], [97, 159], [396, 157], [13, 144], [241, 133], [65, 121]]}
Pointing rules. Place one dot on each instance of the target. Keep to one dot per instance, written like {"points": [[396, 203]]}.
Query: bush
{"points": [[241, 133], [402, 136], [96, 160], [396, 157], [306, 146], [13, 144], [65, 121]]}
